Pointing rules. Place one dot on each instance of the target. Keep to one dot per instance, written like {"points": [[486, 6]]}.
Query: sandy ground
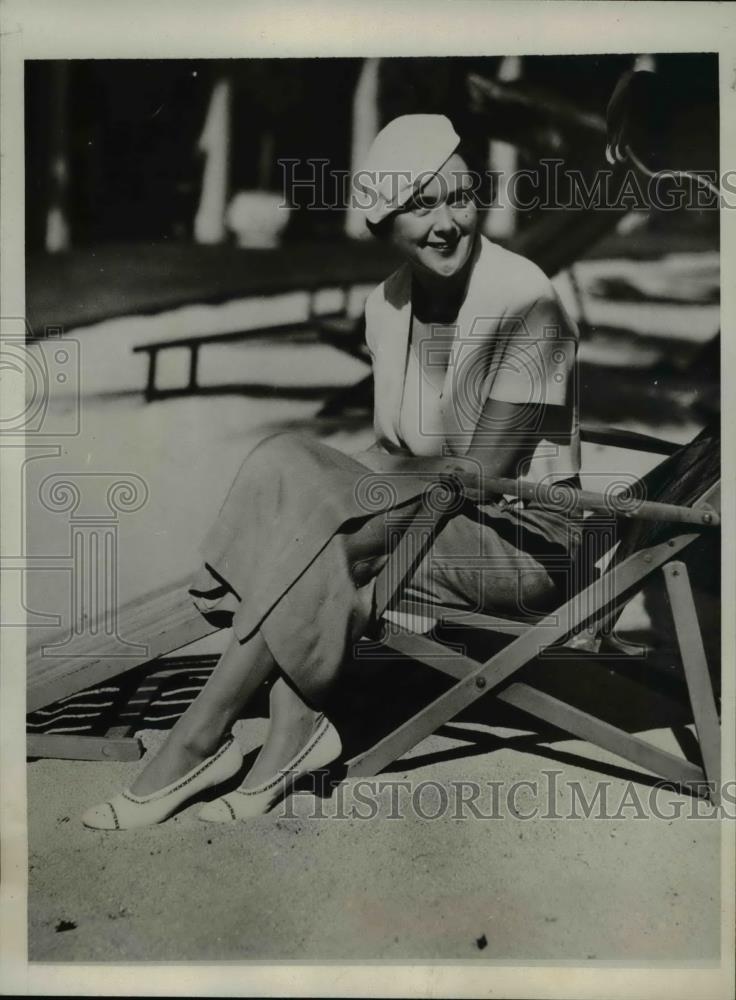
{"points": [[411, 888], [333, 888]]}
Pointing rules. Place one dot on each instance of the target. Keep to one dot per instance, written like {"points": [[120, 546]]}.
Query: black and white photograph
{"points": [[363, 517]]}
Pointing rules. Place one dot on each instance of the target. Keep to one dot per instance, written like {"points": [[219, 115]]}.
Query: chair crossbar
{"points": [[479, 487], [552, 711], [485, 677], [586, 727], [464, 618]]}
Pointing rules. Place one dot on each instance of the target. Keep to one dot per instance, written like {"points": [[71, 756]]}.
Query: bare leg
{"points": [[292, 720], [292, 723], [242, 668]]}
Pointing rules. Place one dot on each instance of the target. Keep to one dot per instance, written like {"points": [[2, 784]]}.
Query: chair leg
{"points": [[586, 727], [414, 542], [557, 713], [482, 678], [695, 665]]}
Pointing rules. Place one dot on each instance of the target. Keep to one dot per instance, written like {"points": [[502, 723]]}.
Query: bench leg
{"points": [[150, 391], [695, 665], [193, 366]]}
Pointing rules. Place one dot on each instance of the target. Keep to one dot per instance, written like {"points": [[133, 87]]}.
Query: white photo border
{"points": [[62, 29]]}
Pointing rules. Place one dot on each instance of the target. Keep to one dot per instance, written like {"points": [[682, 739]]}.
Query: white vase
{"points": [[257, 218]]}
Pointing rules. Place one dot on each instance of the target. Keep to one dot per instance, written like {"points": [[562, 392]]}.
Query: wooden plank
{"points": [[695, 665], [165, 593], [411, 548], [555, 712], [67, 746], [708, 501], [454, 663], [72, 675], [256, 333], [141, 625], [495, 98], [486, 676], [161, 623], [586, 727], [430, 653], [616, 438], [469, 619], [479, 486], [117, 732]]}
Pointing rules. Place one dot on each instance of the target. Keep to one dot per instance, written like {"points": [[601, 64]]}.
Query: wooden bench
{"points": [[315, 320]]}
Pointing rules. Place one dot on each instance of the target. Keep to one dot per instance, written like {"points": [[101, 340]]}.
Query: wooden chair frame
{"points": [[584, 614], [167, 621]]}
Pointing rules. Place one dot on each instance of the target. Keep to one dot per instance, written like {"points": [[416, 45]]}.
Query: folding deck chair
{"points": [[658, 537], [679, 519]]}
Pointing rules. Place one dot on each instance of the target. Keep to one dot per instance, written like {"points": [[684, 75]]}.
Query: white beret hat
{"points": [[402, 159]]}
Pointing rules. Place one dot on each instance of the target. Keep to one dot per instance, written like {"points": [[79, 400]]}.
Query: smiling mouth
{"points": [[445, 248]]}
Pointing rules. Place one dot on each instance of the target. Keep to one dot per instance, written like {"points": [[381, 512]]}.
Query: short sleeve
{"points": [[534, 356]]}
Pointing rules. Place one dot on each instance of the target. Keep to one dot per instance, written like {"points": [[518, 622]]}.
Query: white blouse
{"points": [[512, 341], [421, 425]]}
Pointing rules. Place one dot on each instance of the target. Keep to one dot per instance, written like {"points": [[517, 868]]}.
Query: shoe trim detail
{"points": [[325, 726], [115, 819], [168, 789]]}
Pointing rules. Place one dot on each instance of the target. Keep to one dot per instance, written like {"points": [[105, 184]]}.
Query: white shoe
{"points": [[323, 748], [127, 811]]}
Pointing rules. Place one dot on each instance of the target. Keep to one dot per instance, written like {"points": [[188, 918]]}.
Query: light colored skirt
{"points": [[279, 548]]}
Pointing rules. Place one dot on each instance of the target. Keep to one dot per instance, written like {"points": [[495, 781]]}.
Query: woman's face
{"points": [[435, 231]]}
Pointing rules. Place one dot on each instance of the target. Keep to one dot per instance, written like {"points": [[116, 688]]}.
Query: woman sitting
{"points": [[473, 359]]}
